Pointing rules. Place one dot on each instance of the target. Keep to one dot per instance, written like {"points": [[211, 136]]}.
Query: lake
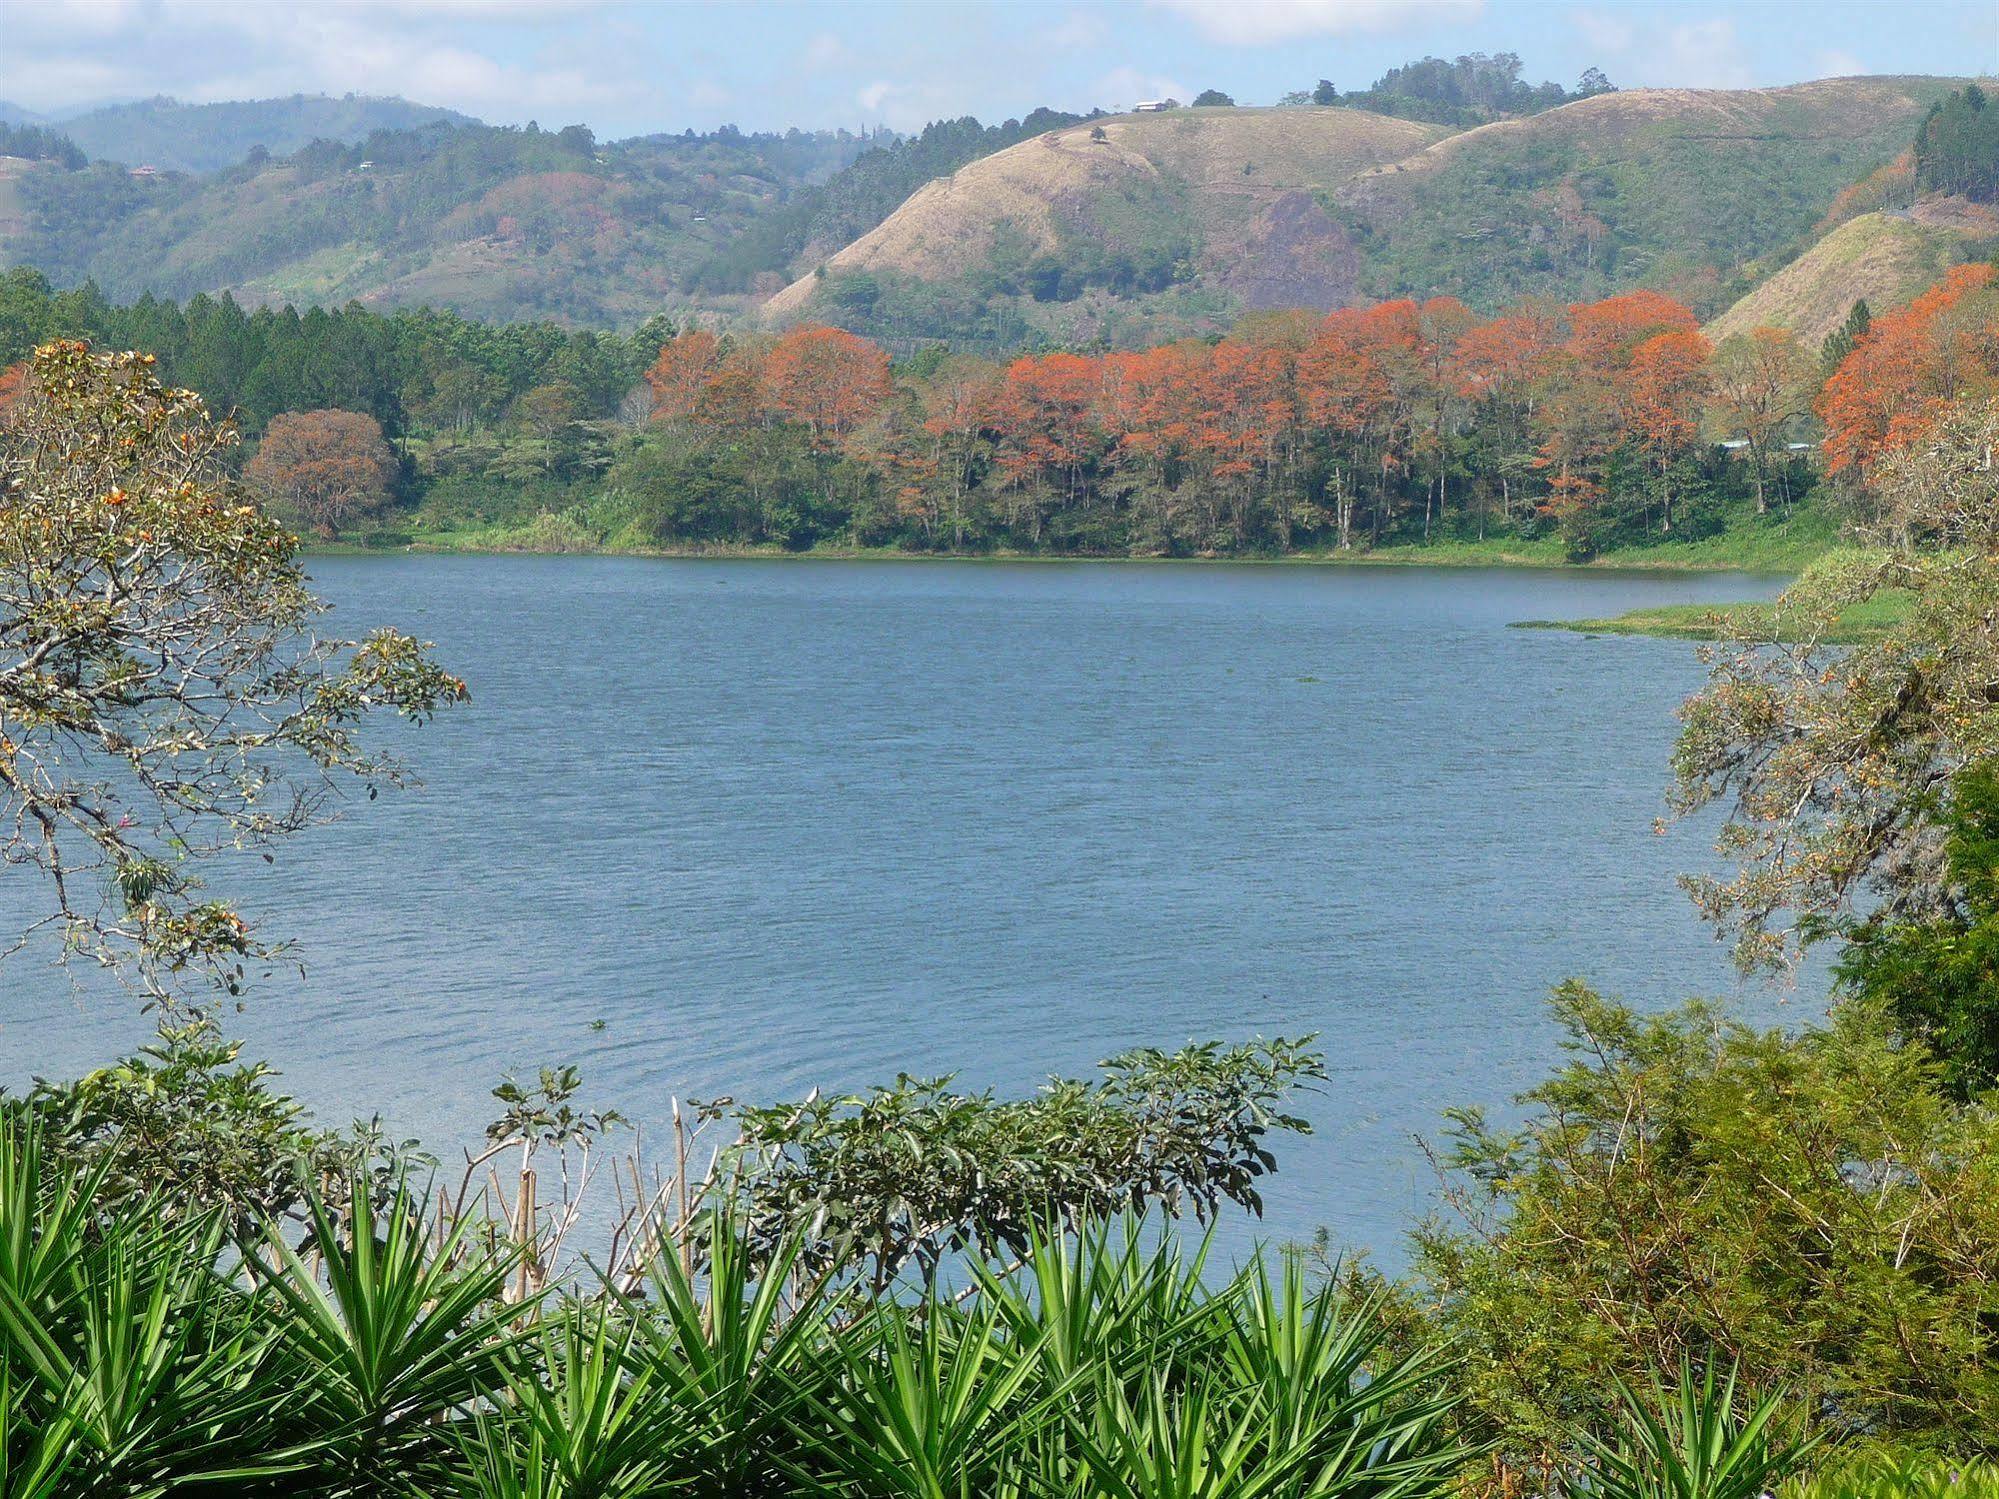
{"points": [[785, 825]]}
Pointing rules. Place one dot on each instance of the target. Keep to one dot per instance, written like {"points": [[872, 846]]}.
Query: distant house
{"points": [[366, 166], [1154, 106], [147, 171]]}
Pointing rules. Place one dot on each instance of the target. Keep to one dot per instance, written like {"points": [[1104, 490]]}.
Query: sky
{"points": [[631, 67]]}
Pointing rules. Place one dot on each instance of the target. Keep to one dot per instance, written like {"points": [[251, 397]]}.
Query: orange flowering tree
{"points": [[163, 693], [1907, 366]]}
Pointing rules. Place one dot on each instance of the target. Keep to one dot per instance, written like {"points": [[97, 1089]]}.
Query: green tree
{"points": [[1938, 980], [911, 1173], [1813, 1206], [1839, 343], [1836, 761]]}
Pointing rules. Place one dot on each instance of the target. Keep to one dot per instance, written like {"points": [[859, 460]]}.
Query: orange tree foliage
{"points": [[827, 380], [681, 376], [326, 469], [1908, 366], [1351, 426]]}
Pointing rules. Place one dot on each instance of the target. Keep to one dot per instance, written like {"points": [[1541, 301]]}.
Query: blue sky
{"points": [[628, 67]]}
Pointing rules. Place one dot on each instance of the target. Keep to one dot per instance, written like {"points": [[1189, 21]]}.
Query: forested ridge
{"points": [[504, 224]]}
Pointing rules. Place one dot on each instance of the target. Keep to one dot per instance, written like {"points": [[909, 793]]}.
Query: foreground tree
{"points": [[163, 694], [1836, 762], [325, 469], [915, 1173], [1683, 1188]]}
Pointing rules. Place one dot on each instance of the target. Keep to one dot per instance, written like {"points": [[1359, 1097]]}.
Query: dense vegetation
{"points": [[40, 143], [1707, 1263], [1591, 429], [493, 221], [1957, 149], [1474, 89]]}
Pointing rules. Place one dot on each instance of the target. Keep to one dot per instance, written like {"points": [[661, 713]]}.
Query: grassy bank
{"points": [[1731, 621], [1770, 544]]}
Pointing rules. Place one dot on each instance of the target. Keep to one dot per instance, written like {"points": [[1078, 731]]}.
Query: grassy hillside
{"points": [[1881, 258], [1199, 212], [496, 223], [1675, 188], [173, 136], [1123, 230]]}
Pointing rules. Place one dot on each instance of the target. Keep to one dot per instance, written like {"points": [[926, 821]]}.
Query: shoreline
{"points": [[1470, 556]]}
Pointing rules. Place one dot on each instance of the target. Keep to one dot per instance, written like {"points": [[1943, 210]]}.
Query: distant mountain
{"points": [[172, 136], [494, 222], [13, 114], [1063, 236]]}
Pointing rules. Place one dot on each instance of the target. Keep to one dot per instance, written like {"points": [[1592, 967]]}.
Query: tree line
{"points": [[1957, 147], [1611, 421], [416, 370]]}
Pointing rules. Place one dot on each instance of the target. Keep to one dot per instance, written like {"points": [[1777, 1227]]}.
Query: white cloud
{"points": [[826, 51], [1689, 54], [1123, 87], [1249, 23], [1079, 31], [427, 50], [1608, 34], [1707, 54], [906, 106]]}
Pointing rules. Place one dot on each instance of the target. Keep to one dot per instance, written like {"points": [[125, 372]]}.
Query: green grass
{"points": [[1765, 545], [1896, 1476], [1729, 621]]}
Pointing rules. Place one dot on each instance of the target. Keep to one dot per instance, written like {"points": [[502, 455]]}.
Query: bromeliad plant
{"points": [[1696, 1440]]}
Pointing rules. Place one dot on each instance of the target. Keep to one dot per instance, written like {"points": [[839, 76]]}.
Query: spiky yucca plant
{"points": [[1694, 1440]]}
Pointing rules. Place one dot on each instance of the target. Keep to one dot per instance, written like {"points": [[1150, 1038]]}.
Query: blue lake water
{"points": [[793, 825]]}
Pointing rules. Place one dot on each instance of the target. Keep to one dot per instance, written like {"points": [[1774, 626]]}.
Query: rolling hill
{"points": [[496, 223], [1234, 188], [1118, 229], [173, 136], [1676, 188], [1882, 258]]}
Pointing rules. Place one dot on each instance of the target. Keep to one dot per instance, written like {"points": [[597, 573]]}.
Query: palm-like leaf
{"points": [[391, 1335], [1688, 1442], [130, 1365], [583, 1417], [1312, 1363], [739, 1354], [931, 1406]]}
